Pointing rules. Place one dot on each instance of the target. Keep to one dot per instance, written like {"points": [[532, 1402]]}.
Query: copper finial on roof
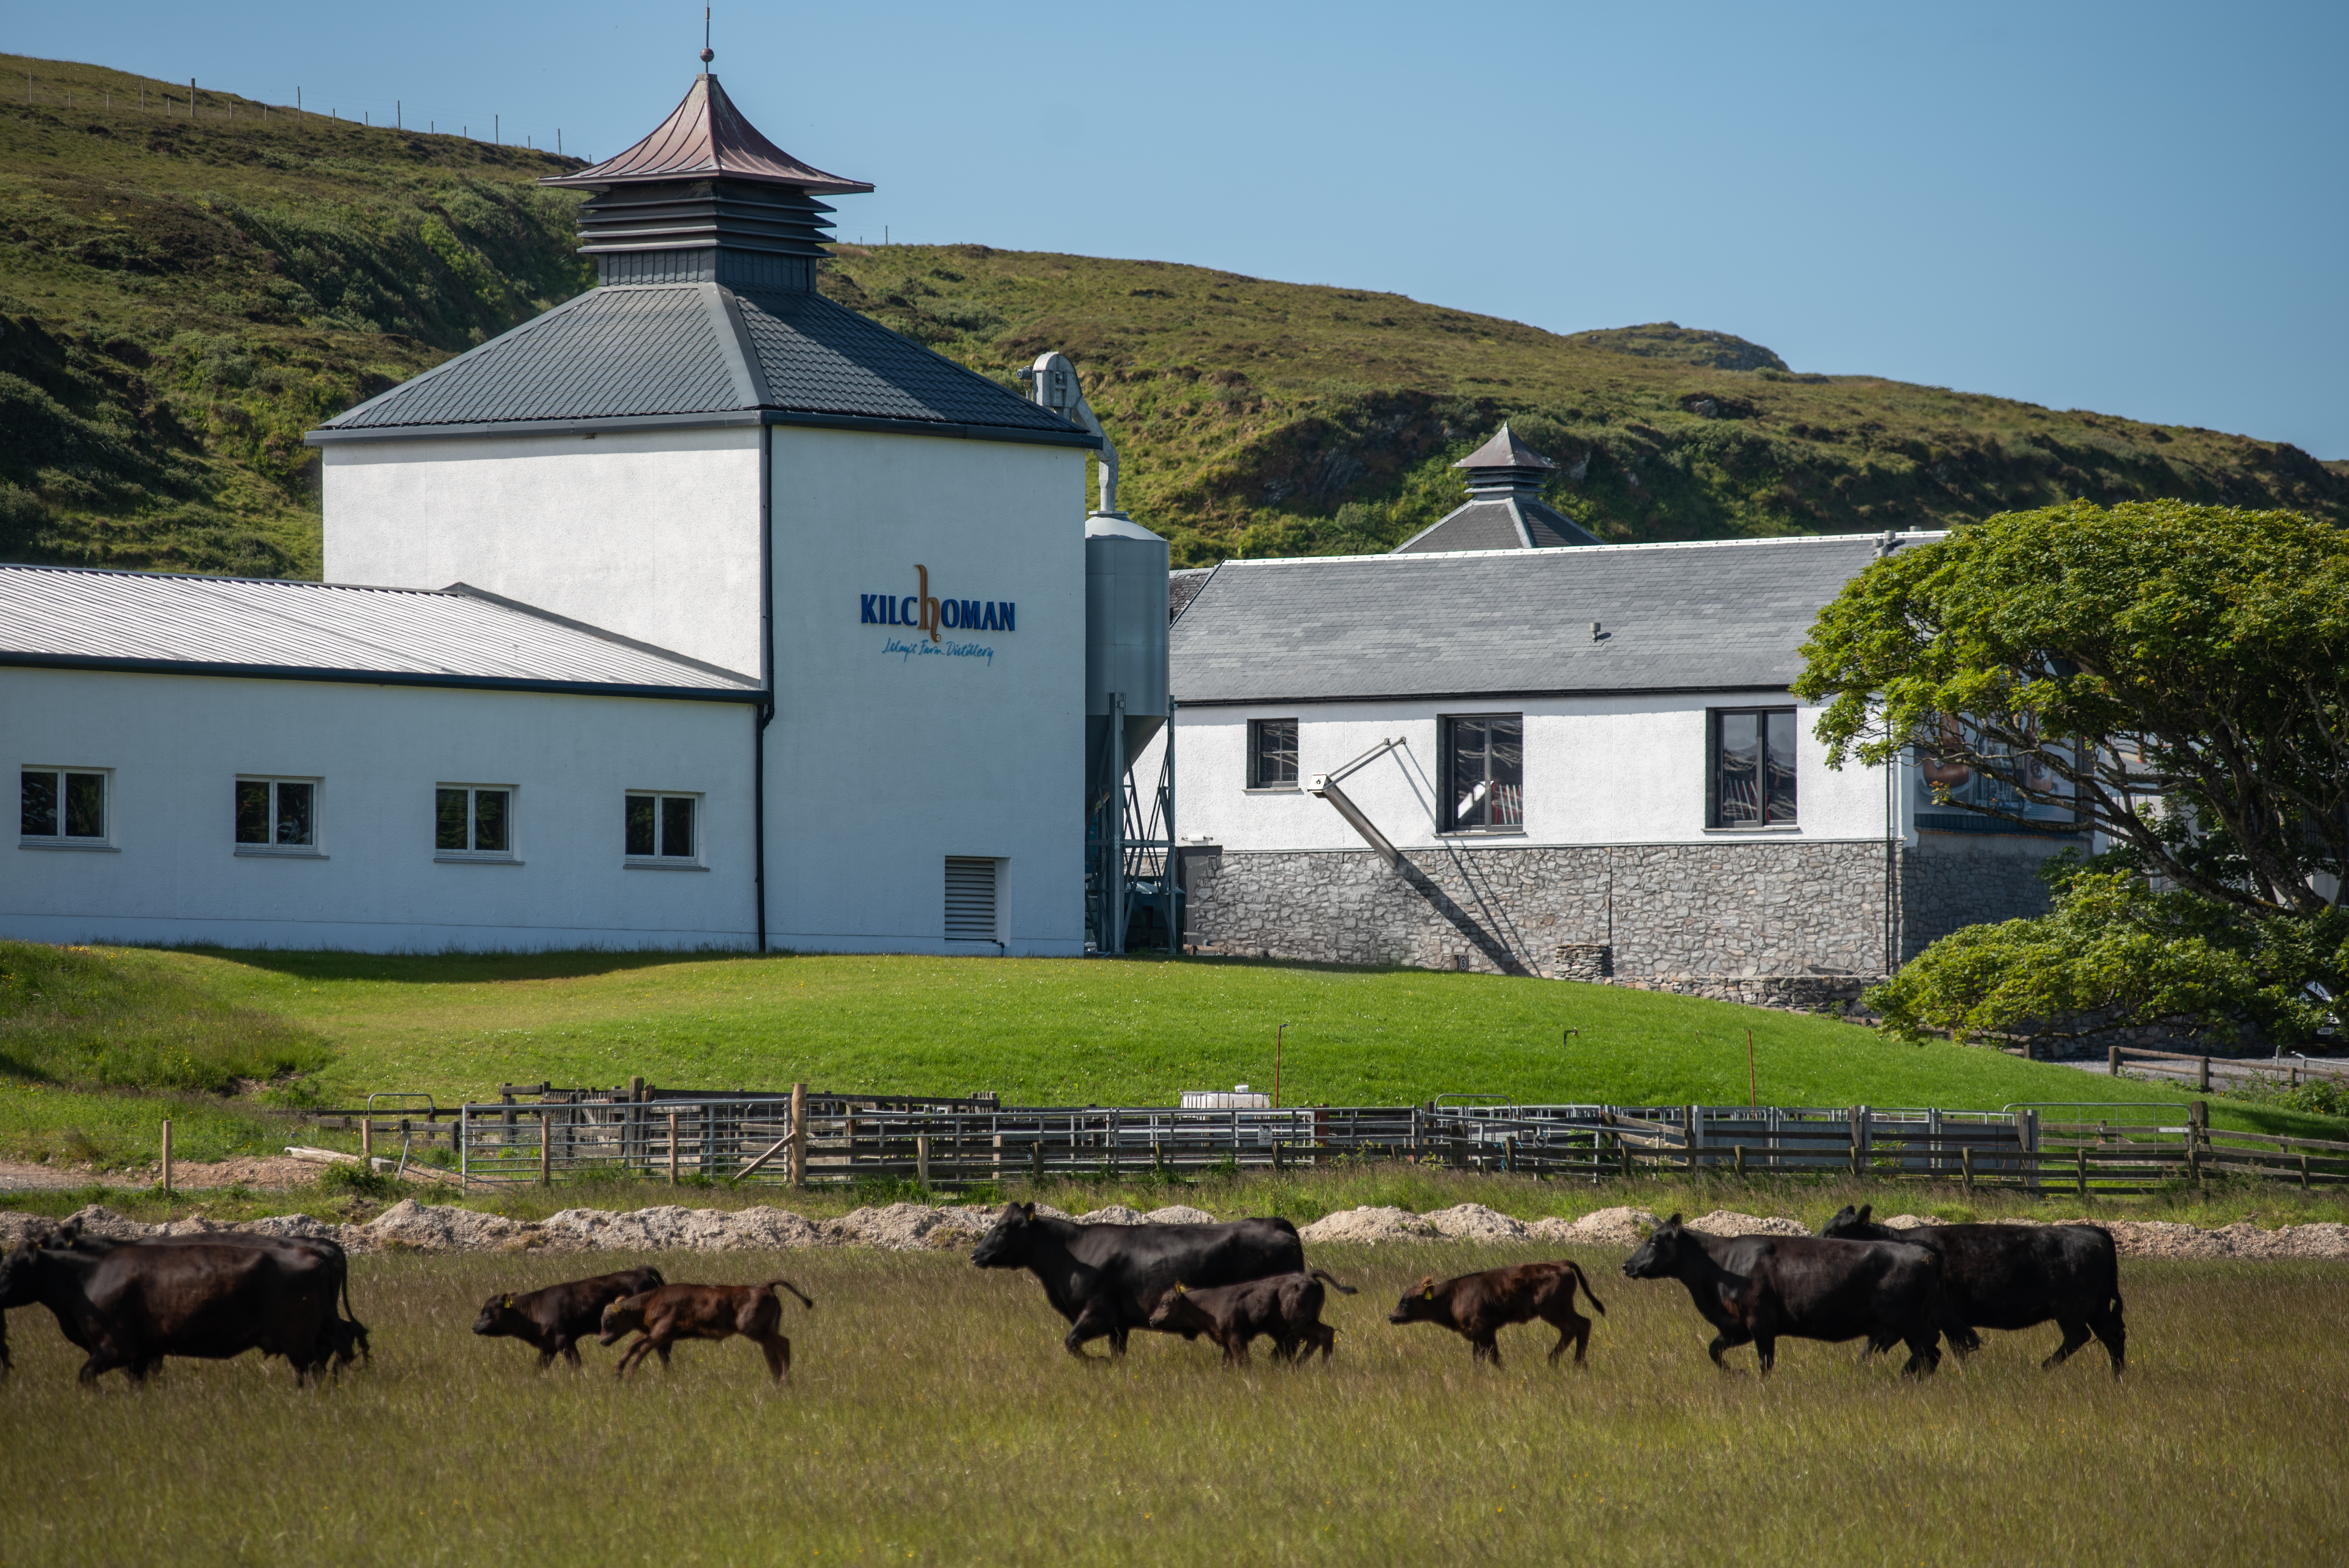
{"points": [[706, 138], [705, 55]]}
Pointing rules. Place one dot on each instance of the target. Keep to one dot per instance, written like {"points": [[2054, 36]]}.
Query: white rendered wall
{"points": [[653, 534], [1599, 771], [880, 764], [177, 743]]}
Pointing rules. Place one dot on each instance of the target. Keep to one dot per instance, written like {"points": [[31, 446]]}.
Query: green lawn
{"points": [[1134, 1032]]}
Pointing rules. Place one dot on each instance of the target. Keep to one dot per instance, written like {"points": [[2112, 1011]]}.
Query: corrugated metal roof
{"points": [[635, 351], [1675, 617], [74, 616], [706, 138]]}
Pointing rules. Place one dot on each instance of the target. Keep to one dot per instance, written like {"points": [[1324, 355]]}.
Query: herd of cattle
{"points": [[130, 1303]]}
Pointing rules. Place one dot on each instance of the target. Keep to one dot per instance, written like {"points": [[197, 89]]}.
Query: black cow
{"points": [[1286, 1306], [553, 1320], [1767, 1288], [2016, 1276], [131, 1303], [1106, 1279]]}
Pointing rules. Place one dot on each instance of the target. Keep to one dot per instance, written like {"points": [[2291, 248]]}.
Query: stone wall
{"points": [[1953, 879], [1770, 924], [1659, 910]]}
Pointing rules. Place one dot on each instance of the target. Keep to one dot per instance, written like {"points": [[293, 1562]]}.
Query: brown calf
{"points": [[1287, 1307], [675, 1312], [1476, 1306]]}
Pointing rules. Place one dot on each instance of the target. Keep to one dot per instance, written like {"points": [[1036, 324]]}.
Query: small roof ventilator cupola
{"points": [[1504, 509]]}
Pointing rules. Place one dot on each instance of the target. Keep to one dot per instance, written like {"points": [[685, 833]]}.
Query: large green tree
{"points": [[2176, 675]]}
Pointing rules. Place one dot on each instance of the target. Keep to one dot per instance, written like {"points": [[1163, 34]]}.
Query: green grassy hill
{"points": [[180, 298], [330, 1028]]}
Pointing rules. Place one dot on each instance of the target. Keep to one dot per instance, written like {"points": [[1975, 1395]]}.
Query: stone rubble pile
{"points": [[410, 1226]]}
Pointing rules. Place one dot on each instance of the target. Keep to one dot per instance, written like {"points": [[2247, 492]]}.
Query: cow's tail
{"points": [[1582, 1280], [805, 1300], [1340, 1289]]}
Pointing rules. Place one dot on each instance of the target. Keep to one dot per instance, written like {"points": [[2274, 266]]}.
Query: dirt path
{"points": [[272, 1173]]}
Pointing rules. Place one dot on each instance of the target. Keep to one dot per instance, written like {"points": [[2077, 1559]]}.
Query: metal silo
{"points": [[1129, 846]]}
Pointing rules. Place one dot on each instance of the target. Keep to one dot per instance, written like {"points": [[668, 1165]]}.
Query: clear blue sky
{"points": [[2139, 208]]}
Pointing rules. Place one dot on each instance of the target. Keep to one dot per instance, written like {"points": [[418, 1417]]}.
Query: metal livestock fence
{"points": [[801, 1139]]}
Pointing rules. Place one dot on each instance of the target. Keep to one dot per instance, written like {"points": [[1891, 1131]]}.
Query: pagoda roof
{"points": [[1505, 450], [706, 138]]}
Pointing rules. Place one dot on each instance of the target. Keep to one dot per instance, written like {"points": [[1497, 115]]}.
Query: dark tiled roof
{"points": [[706, 138], [1676, 617], [1516, 524], [685, 350], [1184, 586], [1505, 450], [1550, 528], [71, 617]]}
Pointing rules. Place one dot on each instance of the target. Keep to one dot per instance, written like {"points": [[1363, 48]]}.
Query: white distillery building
{"points": [[1581, 762], [768, 630]]}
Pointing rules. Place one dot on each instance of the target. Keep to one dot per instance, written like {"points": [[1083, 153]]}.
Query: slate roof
{"points": [[1514, 523], [699, 353], [1183, 586], [1675, 618], [1505, 450], [75, 618], [706, 138]]}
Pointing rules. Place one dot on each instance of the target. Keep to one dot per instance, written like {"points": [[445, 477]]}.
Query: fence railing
{"points": [[832, 1139]]}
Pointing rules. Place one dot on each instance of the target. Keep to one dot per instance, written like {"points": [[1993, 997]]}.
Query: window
{"points": [[62, 809], [1753, 775], [276, 816], [660, 830], [1272, 754], [473, 822], [1484, 773], [970, 899]]}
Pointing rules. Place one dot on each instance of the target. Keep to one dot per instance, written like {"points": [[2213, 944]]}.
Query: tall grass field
{"points": [[934, 1418]]}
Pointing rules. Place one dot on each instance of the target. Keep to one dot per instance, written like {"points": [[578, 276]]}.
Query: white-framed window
{"points": [[473, 822], [276, 816], [66, 808], [972, 886], [661, 832]]}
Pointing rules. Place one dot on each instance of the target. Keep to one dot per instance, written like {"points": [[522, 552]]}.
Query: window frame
{"points": [[315, 850], [1294, 782], [509, 856], [656, 861], [1447, 825], [103, 842], [1763, 713]]}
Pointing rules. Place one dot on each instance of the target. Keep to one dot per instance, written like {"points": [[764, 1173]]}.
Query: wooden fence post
{"points": [[922, 1159], [1035, 1158], [672, 1148], [2083, 1152], [1624, 1150], [1741, 1162], [2303, 1171], [167, 1154], [367, 1141], [1158, 1158], [799, 1135], [1966, 1165], [2203, 1075], [2112, 1061], [546, 1149], [2198, 1125]]}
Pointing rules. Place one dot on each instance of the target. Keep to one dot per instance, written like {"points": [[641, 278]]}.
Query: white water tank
{"points": [[1126, 633]]}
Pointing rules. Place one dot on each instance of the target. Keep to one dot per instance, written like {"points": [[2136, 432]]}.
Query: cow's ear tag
{"points": [[1182, 1289], [507, 1304], [1430, 1293]]}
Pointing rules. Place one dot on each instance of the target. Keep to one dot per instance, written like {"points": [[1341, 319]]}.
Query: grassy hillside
{"points": [[180, 298], [1275, 419]]}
